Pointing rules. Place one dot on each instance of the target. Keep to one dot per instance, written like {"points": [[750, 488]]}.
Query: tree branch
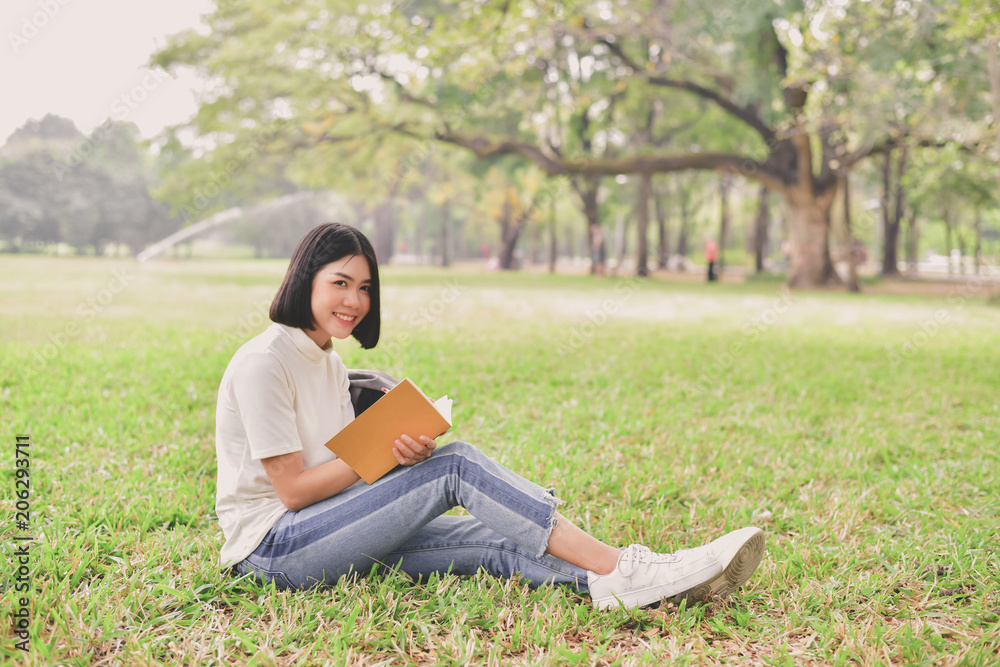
{"points": [[670, 134], [762, 172], [401, 90], [747, 114], [871, 148]]}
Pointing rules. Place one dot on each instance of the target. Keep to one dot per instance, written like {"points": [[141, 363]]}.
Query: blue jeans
{"points": [[398, 522]]}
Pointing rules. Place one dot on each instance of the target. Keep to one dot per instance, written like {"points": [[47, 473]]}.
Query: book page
{"points": [[443, 406]]}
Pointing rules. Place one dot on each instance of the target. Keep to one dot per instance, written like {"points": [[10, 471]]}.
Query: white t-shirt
{"points": [[281, 393]]}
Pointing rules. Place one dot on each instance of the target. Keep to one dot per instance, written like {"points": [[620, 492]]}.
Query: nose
{"points": [[352, 299]]}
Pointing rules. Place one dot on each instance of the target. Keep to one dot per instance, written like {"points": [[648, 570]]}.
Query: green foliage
{"points": [[358, 98], [858, 435], [57, 185]]}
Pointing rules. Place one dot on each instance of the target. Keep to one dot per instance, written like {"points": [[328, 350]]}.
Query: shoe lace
{"points": [[635, 555]]}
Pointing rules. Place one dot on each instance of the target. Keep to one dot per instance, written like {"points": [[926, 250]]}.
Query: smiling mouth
{"points": [[345, 318]]}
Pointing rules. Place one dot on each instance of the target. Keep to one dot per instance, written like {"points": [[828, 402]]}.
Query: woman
{"points": [[294, 514]]}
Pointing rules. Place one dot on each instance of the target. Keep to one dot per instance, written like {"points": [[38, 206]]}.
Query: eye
{"points": [[366, 288], [340, 283]]}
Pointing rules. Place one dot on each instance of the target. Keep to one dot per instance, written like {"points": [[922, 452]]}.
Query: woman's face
{"points": [[341, 297]]}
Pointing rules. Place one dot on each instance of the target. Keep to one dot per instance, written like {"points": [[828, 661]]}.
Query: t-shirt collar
{"points": [[305, 344]]}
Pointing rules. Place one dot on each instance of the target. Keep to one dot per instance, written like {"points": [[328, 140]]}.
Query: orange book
{"points": [[366, 443]]}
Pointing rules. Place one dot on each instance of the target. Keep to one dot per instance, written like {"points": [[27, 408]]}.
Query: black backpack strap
{"points": [[367, 386]]}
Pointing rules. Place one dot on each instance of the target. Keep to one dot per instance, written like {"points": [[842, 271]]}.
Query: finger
{"points": [[405, 450], [420, 450], [400, 459], [429, 443], [404, 458]]}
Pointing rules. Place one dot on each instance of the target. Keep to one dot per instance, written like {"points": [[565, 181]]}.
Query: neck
{"points": [[321, 339]]}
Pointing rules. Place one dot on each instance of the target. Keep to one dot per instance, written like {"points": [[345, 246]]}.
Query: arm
{"points": [[298, 488]]}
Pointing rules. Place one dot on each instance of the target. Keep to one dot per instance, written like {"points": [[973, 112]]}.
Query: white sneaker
{"points": [[642, 577]]}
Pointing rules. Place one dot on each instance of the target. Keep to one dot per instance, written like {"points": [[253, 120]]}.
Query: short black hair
{"points": [[325, 243]]}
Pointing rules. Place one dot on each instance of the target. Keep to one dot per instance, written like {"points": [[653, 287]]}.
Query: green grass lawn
{"points": [[860, 433]]}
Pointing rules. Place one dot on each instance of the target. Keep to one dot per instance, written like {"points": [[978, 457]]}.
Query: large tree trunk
{"points": [[810, 226], [760, 230], [663, 248], [642, 249]]}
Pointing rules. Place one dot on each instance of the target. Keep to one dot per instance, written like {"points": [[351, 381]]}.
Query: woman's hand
{"points": [[408, 451]]}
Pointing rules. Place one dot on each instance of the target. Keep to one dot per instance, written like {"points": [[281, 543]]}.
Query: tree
{"points": [[29, 195], [853, 285], [975, 21], [725, 186], [892, 210], [690, 196], [51, 133], [787, 167], [762, 224], [819, 129], [791, 94], [58, 185], [25, 216]]}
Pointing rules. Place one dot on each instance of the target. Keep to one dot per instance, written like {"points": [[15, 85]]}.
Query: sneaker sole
{"points": [[738, 570], [646, 597]]}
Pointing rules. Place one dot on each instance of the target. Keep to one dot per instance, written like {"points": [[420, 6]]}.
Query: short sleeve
{"points": [[264, 398]]}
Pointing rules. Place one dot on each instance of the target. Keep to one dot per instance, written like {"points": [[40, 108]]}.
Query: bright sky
{"points": [[87, 60]]}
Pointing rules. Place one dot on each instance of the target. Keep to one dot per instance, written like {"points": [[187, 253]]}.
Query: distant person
{"points": [[711, 257], [598, 250]]}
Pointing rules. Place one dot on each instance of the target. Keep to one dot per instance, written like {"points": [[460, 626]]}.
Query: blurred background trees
{"points": [[91, 193], [455, 129]]}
